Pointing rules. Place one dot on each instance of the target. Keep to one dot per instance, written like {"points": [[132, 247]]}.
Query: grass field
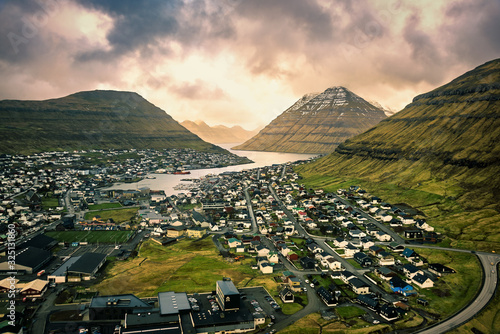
{"points": [[92, 237], [186, 266], [118, 215], [452, 292], [104, 206], [348, 312]]}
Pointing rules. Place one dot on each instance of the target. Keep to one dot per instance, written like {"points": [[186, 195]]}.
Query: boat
{"points": [[182, 172]]}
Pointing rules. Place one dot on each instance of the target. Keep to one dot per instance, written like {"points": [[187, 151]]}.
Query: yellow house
{"points": [[196, 232]]}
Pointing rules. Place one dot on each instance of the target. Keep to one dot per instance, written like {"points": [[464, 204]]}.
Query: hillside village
{"points": [[345, 247]]}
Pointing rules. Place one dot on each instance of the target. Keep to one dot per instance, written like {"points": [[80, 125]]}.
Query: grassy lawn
{"points": [[451, 292], [118, 215], [185, 266], [104, 206], [50, 202], [354, 263], [348, 312], [291, 308], [91, 236]]}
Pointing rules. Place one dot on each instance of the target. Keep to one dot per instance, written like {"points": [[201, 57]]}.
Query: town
{"points": [[341, 253]]}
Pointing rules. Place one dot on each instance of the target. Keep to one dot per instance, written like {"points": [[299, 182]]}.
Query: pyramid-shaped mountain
{"points": [[91, 120], [441, 154], [317, 123]]}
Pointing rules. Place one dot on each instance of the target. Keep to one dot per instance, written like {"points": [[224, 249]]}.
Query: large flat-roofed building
{"points": [[116, 307], [173, 302], [85, 267], [28, 261], [234, 321], [59, 275], [228, 296]]}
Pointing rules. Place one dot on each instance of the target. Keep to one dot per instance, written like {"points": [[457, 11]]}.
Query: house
{"points": [[382, 236], [363, 259], [413, 234], [409, 253], [340, 242], [367, 301], [422, 225], [350, 250], [314, 248], [294, 284], [286, 295], [195, 232], [273, 257], [385, 259], [33, 289], [385, 273], [346, 275], [292, 256], [262, 251], [410, 270], [327, 297], [307, 263], [439, 269], [358, 286], [389, 312], [423, 281], [357, 234], [333, 264], [233, 243], [395, 247], [375, 250], [401, 287], [265, 267]]}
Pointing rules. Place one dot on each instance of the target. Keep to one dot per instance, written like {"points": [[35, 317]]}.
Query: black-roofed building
{"points": [[286, 295], [327, 298], [307, 263], [358, 286], [367, 301], [28, 261], [439, 269], [40, 241], [228, 296], [116, 307], [388, 312], [151, 322], [86, 267], [240, 320], [363, 259]]}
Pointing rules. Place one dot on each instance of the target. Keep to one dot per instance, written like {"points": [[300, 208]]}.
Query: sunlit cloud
{"points": [[236, 62]]}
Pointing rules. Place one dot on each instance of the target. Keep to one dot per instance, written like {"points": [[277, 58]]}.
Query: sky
{"points": [[241, 62]]}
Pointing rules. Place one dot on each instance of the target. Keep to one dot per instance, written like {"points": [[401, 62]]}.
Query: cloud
{"points": [[198, 90], [230, 60]]}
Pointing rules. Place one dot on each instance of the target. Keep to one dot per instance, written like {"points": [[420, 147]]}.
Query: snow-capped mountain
{"points": [[317, 123]]}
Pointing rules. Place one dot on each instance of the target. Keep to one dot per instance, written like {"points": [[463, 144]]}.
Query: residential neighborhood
{"points": [[347, 247]]}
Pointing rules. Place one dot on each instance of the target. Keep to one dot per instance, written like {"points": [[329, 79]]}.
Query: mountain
{"points": [[440, 154], [317, 123], [218, 134], [92, 119]]}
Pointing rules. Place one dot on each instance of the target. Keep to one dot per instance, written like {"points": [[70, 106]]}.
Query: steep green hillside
{"points": [[93, 119], [441, 154], [317, 123]]}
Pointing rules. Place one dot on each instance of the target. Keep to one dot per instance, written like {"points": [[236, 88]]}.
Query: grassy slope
{"points": [[186, 266], [91, 236], [97, 119]]}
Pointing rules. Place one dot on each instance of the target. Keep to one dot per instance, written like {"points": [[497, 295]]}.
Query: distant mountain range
{"points": [[92, 119], [441, 153], [317, 123], [219, 134]]}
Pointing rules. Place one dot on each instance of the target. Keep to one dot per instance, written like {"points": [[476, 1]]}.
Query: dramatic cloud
{"points": [[241, 62]]}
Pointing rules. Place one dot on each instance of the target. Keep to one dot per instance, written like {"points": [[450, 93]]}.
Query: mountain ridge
{"points": [[317, 123], [218, 134], [105, 119]]}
